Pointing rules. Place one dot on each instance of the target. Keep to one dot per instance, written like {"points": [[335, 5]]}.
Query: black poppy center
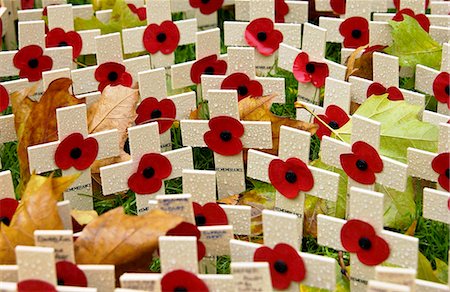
{"points": [[242, 90], [361, 164], [290, 176], [5, 220], [364, 243], [112, 76], [156, 114], [280, 266], [200, 220], [261, 36], [33, 63], [180, 289], [205, 1], [63, 44], [209, 70], [447, 173], [149, 172], [333, 125], [356, 33], [310, 68], [447, 89], [225, 136], [161, 37], [75, 153], [126, 146]]}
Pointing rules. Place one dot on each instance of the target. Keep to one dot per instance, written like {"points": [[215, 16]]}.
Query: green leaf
{"points": [[441, 271], [413, 45], [400, 127], [424, 270]]}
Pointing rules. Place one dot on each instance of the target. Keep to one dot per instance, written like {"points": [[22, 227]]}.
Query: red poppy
{"points": [[378, 89], [141, 12], [306, 71], [441, 88], [262, 35], [69, 274], [397, 4], [441, 165], [75, 151], [286, 264], [422, 19], [209, 214], [27, 4], [334, 116], [243, 84], [31, 62], [373, 49], [35, 285], [112, 73], [163, 38], [57, 37], [4, 98], [206, 6], [209, 65], [362, 164], [355, 31], [290, 177], [180, 280], [281, 10], [188, 229], [152, 169], [338, 6], [224, 136], [163, 111], [360, 237], [8, 207]]}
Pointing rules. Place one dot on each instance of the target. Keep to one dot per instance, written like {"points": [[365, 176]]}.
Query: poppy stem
{"points": [[80, 64], [299, 104]]}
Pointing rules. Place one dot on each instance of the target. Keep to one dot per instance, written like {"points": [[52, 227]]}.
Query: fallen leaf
{"points": [[37, 211], [351, 61], [313, 207], [363, 66], [84, 217], [425, 271], [22, 106]]}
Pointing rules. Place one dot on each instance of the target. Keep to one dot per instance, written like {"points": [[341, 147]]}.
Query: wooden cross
{"points": [[367, 206], [73, 132], [158, 11], [7, 187], [294, 144], [144, 142], [297, 11], [229, 167]]}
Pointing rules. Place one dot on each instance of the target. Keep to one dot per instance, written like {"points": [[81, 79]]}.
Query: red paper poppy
{"points": [[281, 10], [57, 37], [397, 4], [243, 84], [8, 207], [34, 286], [224, 136], [150, 109], [441, 88], [206, 6], [112, 73], [69, 274], [334, 116], [162, 38], [152, 169], [262, 35], [441, 165], [180, 280], [4, 98], [422, 19], [209, 65], [355, 31], [290, 177], [31, 62], [188, 229], [210, 214], [141, 12], [75, 151], [378, 89], [360, 237], [306, 71], [338, 6], [286, 264], [362, 164], [27, 4]]}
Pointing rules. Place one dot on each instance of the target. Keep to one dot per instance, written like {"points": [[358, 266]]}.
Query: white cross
{"points": [[158, 11], [371, 6], [72, 120], [440, 7], [297, 13], [143, 139], [8, 15], [229, 169], [85, 11], [7, 187], [294, 143], [7, 130], [367, 206], [435, 19]]}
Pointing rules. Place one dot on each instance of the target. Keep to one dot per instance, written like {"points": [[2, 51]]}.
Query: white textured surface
{"points": [[60, 16], [332, 149], [101, 277], [425, 78], [294, 143], [332, 27], [280, 227], [386, 69], [230, 174], [6, 185], [320, 271], [140, 281], [207, 43], [37, 263], [337, 92], [178, 252], [50, 76], [359, 88], [216, 239], [84, 80], [419, 164], [178, 205], [367, 206], [219, 283], [60, 240], [7, 129], [380, 33], [251, 276], [201, 184], [109, 48], [32, 33], [435, 205], [438, 7], [366, 130], [314, 41], [242, 251], [240, 217]]}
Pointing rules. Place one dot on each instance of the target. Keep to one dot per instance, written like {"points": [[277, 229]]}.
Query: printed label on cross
{"points": [[147, 170], [359, 234], [251, 276], [74, 152], [289, 12], [227, 136]]}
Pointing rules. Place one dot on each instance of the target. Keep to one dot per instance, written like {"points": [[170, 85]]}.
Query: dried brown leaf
{"points": [[351, 61]]}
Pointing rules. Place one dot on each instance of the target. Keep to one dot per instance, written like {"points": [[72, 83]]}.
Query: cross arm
{"points": [[320, 271], [329, 231]]}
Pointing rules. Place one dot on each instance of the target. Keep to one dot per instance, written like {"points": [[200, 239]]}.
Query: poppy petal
{"points": [[348, 163], [369, 154], [89, 152], [180, 280], [35, 285], [351, 233], [378, 252], [214, 214], [441, 88], [4, 98], [8, 207], [375, 89], [70, 275]]}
